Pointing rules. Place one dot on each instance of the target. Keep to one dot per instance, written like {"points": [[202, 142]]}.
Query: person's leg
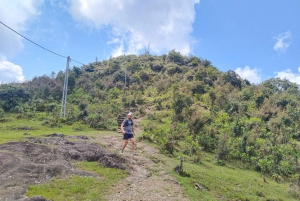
{"points": [[124, 144], [132, 143]]}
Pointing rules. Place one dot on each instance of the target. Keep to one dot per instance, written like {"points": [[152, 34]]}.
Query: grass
{"points": [[228, 183], [77, 187], [15, 129]]}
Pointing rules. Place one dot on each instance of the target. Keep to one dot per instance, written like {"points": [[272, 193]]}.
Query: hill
{"points": [[190, 109]]}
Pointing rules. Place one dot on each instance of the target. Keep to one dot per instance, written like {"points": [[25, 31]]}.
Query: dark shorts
{"points": [[127, 136]]}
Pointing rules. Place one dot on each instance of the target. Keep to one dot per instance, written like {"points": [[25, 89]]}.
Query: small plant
{"points": [[142, 111], [78, 126], [277, 177], [2, 113]]}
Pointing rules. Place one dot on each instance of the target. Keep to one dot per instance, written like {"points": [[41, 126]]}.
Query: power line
{"points": [[38, 44], [77, 61]]}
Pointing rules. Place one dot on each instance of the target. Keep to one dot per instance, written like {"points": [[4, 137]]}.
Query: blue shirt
{"points": [[128, 123]]}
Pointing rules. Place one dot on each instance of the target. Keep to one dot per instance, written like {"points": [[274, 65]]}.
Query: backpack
{"points": [[126, 123]]}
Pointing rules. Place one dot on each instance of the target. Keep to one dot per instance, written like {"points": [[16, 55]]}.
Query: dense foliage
{"points": [[189, 106]]}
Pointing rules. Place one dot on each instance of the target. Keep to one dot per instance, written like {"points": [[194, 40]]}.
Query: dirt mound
{"points": [[40, 159]]}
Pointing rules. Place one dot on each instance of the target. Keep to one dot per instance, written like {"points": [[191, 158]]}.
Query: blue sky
{"points": [[259, 39]]}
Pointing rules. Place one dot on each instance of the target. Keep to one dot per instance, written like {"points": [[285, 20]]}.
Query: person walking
{"points": [[128, 133]]}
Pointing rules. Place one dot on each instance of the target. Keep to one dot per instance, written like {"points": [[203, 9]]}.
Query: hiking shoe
{"points": [[121, 151]]}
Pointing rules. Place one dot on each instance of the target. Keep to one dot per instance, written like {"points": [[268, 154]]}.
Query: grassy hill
{"points": [[189, 108]]}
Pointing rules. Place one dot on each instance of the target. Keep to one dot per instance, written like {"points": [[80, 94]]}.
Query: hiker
{"points": [[128, 133]]}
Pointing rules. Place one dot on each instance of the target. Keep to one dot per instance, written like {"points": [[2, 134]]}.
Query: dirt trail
{"points": [[148, 179]]}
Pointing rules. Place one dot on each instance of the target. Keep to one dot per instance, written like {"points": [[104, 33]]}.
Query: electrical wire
{"points": [[38, 44], [77, 62]]}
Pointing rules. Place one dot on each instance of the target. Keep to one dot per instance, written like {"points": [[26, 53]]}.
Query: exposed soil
{"points": [[39, 159]]}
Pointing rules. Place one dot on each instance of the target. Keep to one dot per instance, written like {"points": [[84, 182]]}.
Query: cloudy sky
{"points": [[259, 39]]}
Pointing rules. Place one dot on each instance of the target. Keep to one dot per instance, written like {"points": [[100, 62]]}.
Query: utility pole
{"points": [[65, 91], [125, 76]]}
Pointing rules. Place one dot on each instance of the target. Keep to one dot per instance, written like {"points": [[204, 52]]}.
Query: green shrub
{"points": [[78, 126]]}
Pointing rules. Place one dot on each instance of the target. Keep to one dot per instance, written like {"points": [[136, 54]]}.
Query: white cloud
{"points": [[10, 72], [288, 74], [253, 75], [16, 16], [282, 41], [118, 51], [165, 25]]}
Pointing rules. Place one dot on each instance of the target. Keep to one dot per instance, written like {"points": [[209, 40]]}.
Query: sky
{"points": [[258, 39]]}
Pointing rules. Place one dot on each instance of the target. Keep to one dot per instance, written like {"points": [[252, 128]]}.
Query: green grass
{"points": [[228, 183], [78, 187], [18, 129]]}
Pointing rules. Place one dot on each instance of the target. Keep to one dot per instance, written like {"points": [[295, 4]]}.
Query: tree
{"points": [[174, 56], [90, 68], [113, 67], [77, 71], [233, 78], [206, 62], [277, 85], [156, 66], [173, 70], [12, 95], [134, 66], [180, 101]]}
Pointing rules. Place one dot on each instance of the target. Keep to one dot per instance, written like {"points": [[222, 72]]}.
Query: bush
{"points": [[173, 70], [207, 142], [78, 126], [142, 111], [2, 113], [144, 76], [51, 122], [156, 67], [223, 148]]}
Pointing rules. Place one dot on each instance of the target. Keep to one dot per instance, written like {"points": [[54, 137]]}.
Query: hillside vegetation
{"points": [[189, 108]]}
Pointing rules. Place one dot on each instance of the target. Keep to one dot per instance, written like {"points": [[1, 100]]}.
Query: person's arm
{"points": [[122, 128], [133, 130]]}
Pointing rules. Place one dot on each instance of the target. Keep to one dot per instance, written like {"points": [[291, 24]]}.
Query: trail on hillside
{"points": [[148, 177]]}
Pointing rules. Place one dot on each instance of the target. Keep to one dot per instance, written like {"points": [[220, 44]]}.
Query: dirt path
{"points": [[148, 178]]}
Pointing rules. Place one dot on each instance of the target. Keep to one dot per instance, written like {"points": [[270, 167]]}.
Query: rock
{"points": [[200, 187], [39, 198]]}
